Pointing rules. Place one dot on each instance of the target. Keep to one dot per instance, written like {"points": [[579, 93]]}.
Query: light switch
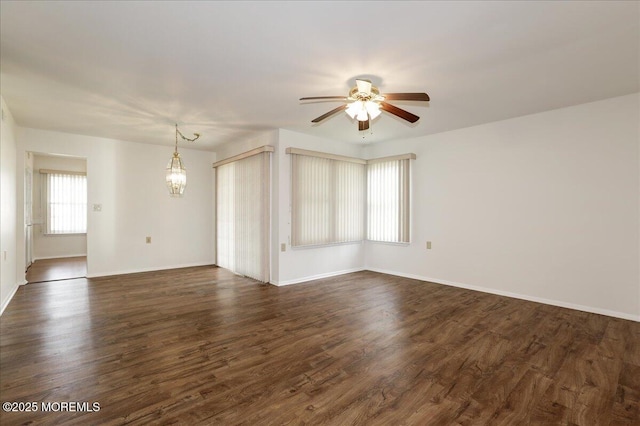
{"points": [[428, 245], [283, 247]]}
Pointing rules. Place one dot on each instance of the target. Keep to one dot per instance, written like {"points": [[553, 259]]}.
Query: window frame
{"points": [[404, 232], [337, 167], [403, 204]]}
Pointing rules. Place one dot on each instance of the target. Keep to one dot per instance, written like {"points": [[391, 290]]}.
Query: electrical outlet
{"points": [[283, 247], [428, 245], [148, 240], [97, 207]]}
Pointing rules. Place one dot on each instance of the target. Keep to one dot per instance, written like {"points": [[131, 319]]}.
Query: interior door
{"points": [[28, 206]]}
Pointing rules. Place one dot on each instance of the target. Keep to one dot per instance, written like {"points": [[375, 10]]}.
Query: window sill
{"points": [[315, 246], [389, 243]]}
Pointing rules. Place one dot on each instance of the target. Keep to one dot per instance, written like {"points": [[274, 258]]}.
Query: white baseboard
{"points": [[150, 269], [316, 277], [6, 302], [590, 309], [59, 257]]}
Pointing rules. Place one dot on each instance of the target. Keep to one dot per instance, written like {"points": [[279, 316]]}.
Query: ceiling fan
{"points": [[365, 103]]}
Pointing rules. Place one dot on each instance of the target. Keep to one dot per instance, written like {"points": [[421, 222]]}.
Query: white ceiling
{"points": [[130, 70]]}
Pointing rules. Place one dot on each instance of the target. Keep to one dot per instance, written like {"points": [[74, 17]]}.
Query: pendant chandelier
{"points": [[176, 173]]}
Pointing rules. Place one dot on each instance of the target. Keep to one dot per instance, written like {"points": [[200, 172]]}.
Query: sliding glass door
{"points": [[242, 215]]}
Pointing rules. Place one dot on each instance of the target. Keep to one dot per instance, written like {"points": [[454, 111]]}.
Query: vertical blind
{"points": [[327, 200], [388, 200], [66, 202], [242, 216]]}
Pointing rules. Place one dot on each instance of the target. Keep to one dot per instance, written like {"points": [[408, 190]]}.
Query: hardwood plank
{"points": [[626, 405], [204, 346], [522, 400], [57, 269]]}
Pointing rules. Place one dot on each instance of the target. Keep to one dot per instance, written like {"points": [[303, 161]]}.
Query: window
{"points": [[388, 199], [242, 213], [333, 196], [327, 198], [66, 202]]}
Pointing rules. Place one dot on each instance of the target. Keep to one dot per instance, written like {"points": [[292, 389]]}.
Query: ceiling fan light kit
{"points": [[365, 103], [363, 110]]}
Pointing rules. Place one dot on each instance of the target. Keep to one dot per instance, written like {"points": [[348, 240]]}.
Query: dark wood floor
{"points": [[203, 346], [57, 269]]}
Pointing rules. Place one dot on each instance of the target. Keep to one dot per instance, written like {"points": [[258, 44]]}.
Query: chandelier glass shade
{"points": [[176, 173], [176, 176]]}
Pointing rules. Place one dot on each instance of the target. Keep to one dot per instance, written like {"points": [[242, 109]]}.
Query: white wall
{"points": [[543, 207], [240, 146], [54, 246], [8, 200], [127, 180], [302, 264]]}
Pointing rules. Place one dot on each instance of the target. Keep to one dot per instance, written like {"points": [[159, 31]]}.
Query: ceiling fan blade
{"points": [[364, 86], [406, 96], [363, 125], [340, 98], [330, 113], [406, 115]]}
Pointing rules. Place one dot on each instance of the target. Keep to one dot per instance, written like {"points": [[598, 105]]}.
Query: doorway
{"points": [[55, 217]]}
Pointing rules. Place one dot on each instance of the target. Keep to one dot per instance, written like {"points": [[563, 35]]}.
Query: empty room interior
{"points": [[328, 213]]}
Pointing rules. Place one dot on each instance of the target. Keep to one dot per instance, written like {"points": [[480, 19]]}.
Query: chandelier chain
{"points": [[178, 132]]}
